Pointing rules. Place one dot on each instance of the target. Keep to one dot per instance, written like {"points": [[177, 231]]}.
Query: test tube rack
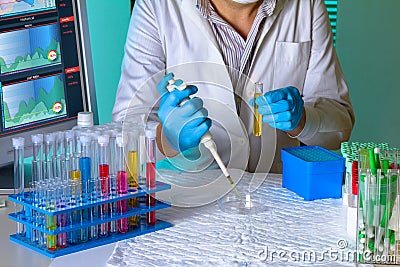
{"points": [[24, 217], [378, 229]]}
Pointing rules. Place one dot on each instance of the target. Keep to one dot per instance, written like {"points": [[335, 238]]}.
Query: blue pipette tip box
{"points": [[312, 172]]}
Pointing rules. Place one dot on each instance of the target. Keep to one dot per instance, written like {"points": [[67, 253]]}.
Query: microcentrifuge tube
{"points": [[257, 124], [151, 169], [122, 183]]}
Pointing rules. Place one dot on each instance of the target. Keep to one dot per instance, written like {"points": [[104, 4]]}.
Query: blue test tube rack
{"points": [[25, 219]]}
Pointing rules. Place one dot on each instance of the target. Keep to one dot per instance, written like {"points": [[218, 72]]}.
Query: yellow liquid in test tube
{"points": [[133, 172], [257, 125], [51, 226], [76, 178]]}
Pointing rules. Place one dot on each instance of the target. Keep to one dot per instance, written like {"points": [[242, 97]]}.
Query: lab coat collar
{"points": [[189, 8], [267, 26]]}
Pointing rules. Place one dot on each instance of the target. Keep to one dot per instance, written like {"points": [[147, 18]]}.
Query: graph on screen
{"points": [[29, 48], [33, 101], [16, 7]]}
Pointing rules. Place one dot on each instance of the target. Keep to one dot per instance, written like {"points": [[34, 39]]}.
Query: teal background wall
{"points": [[368, 46], [108, 25]]}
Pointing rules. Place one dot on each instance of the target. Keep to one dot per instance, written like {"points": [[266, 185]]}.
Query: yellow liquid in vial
{"points": [[133, 173], [133, 168], [257, 125], [76, 178], [51, 239]]}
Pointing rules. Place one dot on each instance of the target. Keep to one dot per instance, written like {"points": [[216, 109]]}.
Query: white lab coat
{"points": [[295, 49]]}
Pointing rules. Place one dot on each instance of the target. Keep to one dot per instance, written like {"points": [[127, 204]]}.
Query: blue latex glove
{"points": [[183, 126], [282, 108]]}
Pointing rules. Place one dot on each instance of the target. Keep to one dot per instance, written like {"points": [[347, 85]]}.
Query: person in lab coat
{"points": [[220, 48]]}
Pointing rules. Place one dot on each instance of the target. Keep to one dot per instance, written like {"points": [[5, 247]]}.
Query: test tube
{"points": [[85, 167], [37, 176], [51, 223], [104, 173], [61, 218], [133, 171], [122, 183], [94, 187], [113, 177], [49, 147], [85, 164], [37, 160], [257, 124], [151, 169], [69, 150], [60, 155], [73, 216], [142, 169], [18, 144]]}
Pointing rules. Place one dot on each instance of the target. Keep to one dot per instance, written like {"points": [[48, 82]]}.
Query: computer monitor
{"points": [[46, 72]]}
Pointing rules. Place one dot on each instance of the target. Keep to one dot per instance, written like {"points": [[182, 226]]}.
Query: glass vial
{"points": [[257, 123]]}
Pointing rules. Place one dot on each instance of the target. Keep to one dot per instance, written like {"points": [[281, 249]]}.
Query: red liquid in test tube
{"points": [[122, 205], [150, 198], [104, 172]]}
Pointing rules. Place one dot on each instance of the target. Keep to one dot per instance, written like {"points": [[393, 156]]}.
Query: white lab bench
{"points": [[206, 235]]}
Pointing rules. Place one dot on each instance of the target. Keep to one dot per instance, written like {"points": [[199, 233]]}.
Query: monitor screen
{"points": [[45, 69]]}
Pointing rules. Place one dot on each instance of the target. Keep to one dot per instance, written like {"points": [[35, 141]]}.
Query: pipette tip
{"points": [[234, 187]]}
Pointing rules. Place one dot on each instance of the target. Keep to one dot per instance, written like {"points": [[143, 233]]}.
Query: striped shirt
{"points": [[236, 51]]}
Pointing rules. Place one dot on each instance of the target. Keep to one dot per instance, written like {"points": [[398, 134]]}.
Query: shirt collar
{"points": [[267, 7]]}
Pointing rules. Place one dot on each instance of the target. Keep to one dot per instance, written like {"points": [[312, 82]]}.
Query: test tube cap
{"points": [[121, 140], [151, 128], [69, 134], [60, 136], [37, 138], [85, 119], [103, 139], [85, 139], [258, 87], [49, 137], [18, 142]]}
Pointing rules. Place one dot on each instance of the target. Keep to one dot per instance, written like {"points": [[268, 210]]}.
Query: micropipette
{"points": [[206, 139]]}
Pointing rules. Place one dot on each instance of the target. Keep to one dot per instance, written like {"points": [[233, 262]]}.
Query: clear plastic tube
{"points": [[133, 170], [51, 223], [122, 181], [104, 173], [151, 169], [85, 167], [85, 164], [37, 161], [257, 123], [18, 144], [73, 216], [113, 177], [94, 187], [49, 147], [61, 218], [59, 155], [142, 170], [37, 176]]}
